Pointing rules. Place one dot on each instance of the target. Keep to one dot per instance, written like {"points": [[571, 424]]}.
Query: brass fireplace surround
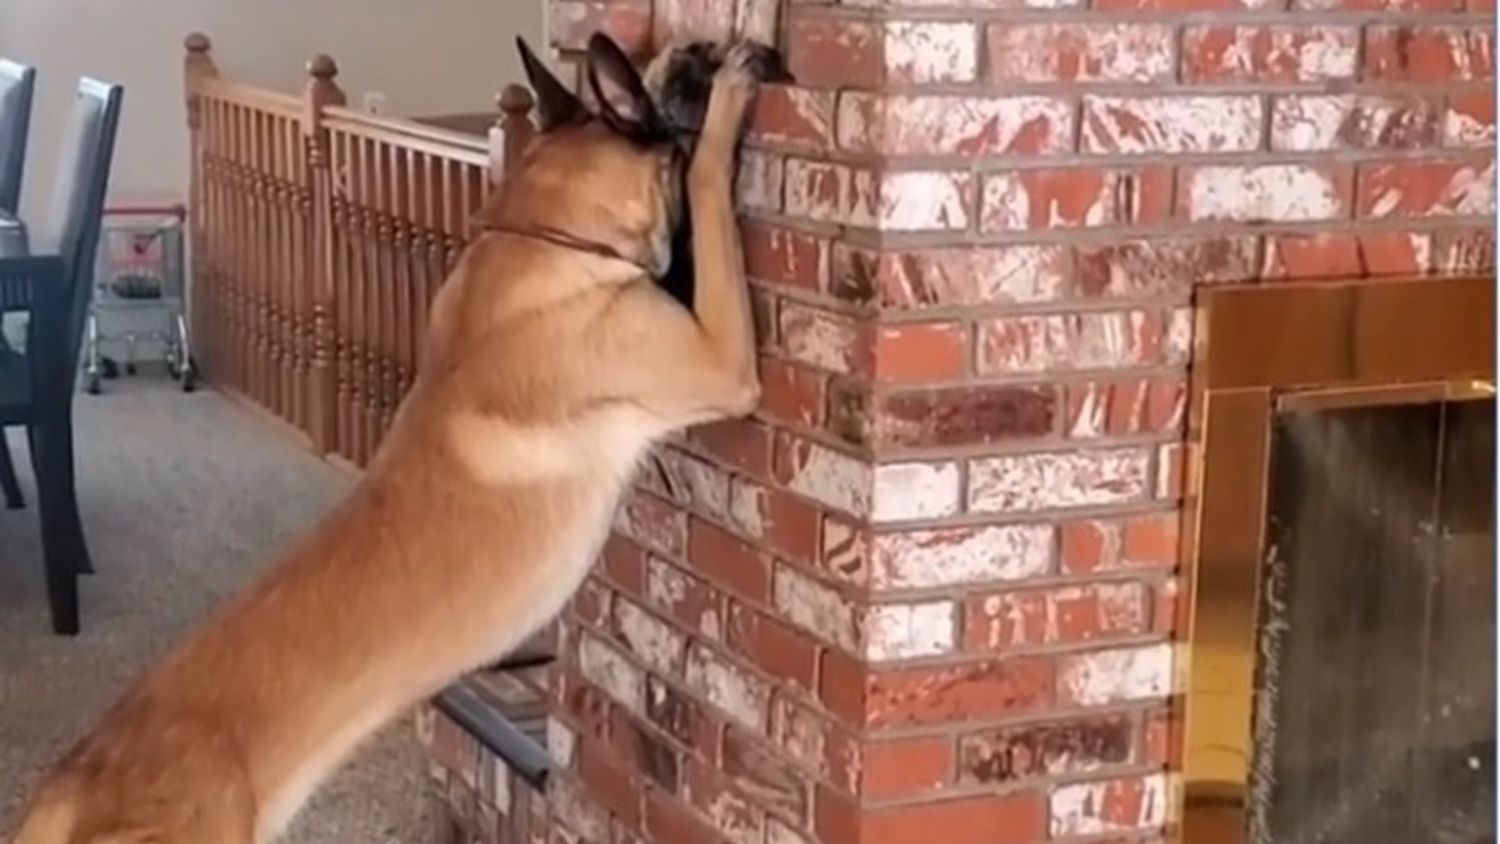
{"points": [[1260, 349]]}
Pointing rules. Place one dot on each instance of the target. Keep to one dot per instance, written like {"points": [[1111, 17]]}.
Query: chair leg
{"points": [[77, 547], [9, 485], [60, 543]]}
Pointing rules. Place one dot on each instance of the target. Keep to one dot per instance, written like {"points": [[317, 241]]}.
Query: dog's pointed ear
{"points": [[555, 104], [624, 103]]}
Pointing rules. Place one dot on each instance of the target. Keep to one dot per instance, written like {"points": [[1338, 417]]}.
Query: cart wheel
{"points": [[108, 365], [190, 377], [93, 385], [129, 369]]}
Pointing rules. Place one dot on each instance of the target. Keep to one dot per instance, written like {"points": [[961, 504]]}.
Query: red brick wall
{"points": [[929, 592]]}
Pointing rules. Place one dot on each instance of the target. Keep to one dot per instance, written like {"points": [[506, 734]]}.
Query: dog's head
{"points": [[610, 174], [612, 171], [680, 78]]}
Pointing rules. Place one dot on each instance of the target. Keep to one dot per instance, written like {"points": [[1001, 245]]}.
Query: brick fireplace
{"points": [[932, 590]]}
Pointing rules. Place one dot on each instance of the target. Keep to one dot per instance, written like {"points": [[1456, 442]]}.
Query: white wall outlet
{"points": [[374, 102]]}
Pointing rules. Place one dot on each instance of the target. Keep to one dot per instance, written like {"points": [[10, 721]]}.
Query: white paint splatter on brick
{"points": [[756, 19], [1029, 482], [561, 742], [1463, 130], [779, 833], [831, 477], [1091, 340], [817, 190], [1349, 121], [1116, 52], [1177, 346], [500, 774], [747, 507], [1471, 191], [576, 811], [761, 177], [740, 695], [897, 124], [911, 200], [1171, 124], [817, 337], [651, 522], [1117, 676], [1099, 808], [608, 669], [846, 551], [904, 631], [655, 642], [920, 52], [697, 482], [1268, 193], [1312, 53], [961, 556], [1323, 52], [665, 585], [915, 491], [817, 608]]}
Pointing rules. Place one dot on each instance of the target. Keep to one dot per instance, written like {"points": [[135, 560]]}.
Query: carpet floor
{"points": [[183, 498]]}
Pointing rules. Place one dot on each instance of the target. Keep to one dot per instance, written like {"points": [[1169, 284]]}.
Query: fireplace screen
{"points": [[1375, 673]]}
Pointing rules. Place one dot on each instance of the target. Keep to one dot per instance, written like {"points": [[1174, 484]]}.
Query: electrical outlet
{"points": [[375, 102]]}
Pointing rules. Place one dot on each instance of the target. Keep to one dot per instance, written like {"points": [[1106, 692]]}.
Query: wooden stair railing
{"points": [[318, 237]]}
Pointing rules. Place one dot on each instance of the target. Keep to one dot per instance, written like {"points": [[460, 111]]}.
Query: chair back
{"points": [[17, 87], [78, 206]]}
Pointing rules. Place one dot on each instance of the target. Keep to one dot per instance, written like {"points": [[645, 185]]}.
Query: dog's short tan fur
{"points": [[548, 370]]}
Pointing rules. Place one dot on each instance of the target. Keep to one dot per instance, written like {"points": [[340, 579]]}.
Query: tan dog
{"points": [[553, 360]]}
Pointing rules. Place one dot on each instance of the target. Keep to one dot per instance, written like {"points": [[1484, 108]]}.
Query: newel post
{"points": [[197, 65], [321, 92], [512, 132]]}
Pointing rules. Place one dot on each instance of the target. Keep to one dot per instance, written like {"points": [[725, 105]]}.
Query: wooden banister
{"points": [[515, 129], [320, 235]]}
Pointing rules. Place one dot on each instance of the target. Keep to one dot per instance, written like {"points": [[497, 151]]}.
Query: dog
{"points": [[553, 360]]}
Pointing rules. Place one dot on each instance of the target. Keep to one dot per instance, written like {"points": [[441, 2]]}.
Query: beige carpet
{"points": [[183, 497]]}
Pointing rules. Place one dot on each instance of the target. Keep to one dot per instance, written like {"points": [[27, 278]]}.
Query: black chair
{"points": [[17, 87], [53, 286]]}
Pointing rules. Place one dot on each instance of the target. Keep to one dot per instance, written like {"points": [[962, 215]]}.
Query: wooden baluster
{"points": [[386, 290], [410, 308], [513, 132], [364, 359], [355, 294], [302, 248], [343, 251], [373, 282], [286, 275], [257, 248], [235, 242], [321, 92], [197, 65], [400, 285], [219, 245]]}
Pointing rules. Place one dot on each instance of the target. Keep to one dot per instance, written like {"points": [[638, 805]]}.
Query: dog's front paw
{"points": [[734, 87]]}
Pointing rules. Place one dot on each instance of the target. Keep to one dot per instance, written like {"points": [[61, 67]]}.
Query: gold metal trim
{"points": [[1262, 350], [1341, 398]]}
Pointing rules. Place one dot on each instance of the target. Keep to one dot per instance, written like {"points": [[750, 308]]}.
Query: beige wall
{"points": [[428, 56]]}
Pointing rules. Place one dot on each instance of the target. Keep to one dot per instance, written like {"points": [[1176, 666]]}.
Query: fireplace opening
{"points": [[1375, 676], [1340, 676]]}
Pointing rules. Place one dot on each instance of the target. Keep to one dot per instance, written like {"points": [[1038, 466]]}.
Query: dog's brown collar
{"points": [[558, 237]]}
